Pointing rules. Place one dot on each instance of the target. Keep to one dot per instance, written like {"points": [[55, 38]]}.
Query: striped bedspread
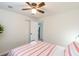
{"points": [[38, 49], [72, 49]]}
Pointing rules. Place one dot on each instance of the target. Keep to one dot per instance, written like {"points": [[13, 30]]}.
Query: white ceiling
{"points": [[51, 8]]}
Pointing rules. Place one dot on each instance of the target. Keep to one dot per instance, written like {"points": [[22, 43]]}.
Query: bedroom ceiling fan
{"points": [[35, 7]]}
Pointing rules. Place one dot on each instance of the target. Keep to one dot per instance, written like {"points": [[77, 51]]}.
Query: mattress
{"points": [[38, 49]]}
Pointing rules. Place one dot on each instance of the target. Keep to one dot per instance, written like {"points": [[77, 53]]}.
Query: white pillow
{"points": [[33, 43]]}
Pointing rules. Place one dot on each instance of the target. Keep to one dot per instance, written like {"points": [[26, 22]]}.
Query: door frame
{"points": [[41, 30]]}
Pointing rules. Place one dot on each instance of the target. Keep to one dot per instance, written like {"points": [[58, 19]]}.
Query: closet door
{"points": [[34, 31]]}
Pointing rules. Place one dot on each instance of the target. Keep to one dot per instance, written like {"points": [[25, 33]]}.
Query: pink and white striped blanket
{"points": [[72, 49], [38, 49]]}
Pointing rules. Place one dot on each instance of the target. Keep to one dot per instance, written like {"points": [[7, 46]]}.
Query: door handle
{"points": [[30, 33]]}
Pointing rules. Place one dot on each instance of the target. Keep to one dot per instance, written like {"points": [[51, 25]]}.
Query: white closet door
{"points": [[34, 31]]}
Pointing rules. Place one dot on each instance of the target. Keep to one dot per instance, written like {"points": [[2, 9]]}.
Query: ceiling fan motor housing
{"points": [[34, 5]]}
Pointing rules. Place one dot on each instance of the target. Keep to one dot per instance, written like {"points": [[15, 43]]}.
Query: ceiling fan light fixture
{"points": [[35, 7], [34, 11]]}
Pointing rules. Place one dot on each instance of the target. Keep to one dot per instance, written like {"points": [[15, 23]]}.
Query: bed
{"points": [[38, 48], [72, 49]]}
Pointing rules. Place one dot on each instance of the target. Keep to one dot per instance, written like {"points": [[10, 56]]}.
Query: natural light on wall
{"points": [[76, 36], [33, 11], [70, 36]]}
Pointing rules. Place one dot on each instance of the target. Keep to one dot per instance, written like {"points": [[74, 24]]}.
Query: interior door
{"points": [[34, 31]]}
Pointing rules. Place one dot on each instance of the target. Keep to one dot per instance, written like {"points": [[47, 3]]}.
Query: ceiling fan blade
{"points": [[26, 9], [40, 11], [41, 5], [29, 4]]}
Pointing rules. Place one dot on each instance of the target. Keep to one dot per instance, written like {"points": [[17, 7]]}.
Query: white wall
{"points": [[61, 28], [15, 30]]}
